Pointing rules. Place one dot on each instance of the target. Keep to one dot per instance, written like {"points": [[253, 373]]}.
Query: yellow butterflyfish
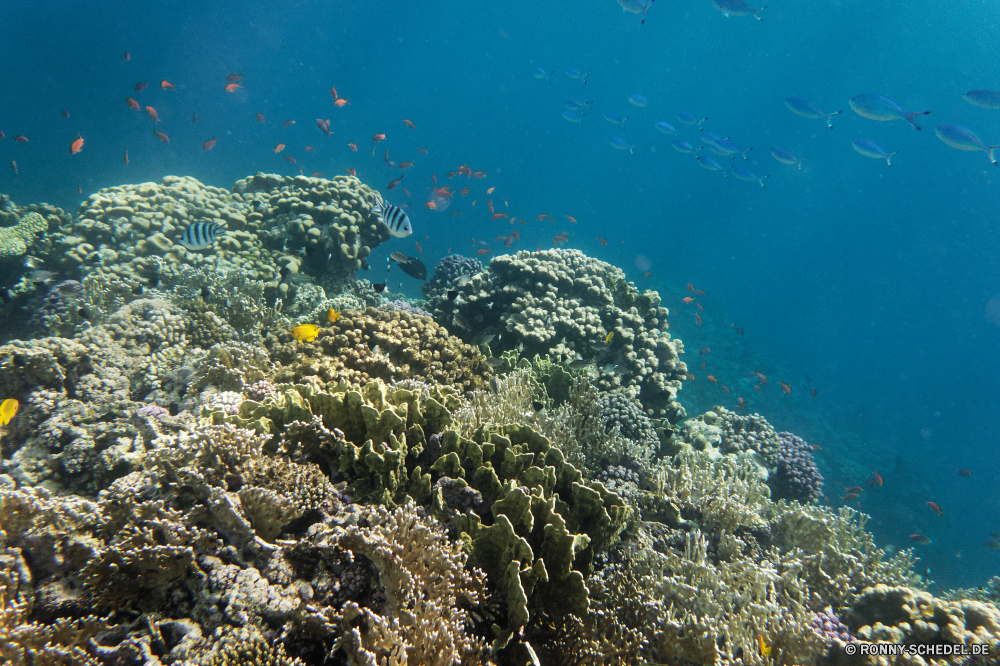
{"points": [[764, 647], [607, 338], [305, 332], [8, 408], [332, 315]]}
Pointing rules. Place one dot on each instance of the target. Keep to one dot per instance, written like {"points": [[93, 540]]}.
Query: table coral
{"points": [[361, 346], [565, 303]]}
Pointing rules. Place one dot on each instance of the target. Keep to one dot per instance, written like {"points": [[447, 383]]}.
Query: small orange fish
{"points": [[704, 364], [378, 137], [79, 189], [233, 78], [405, 165], [697, 318], [571, 219], [333, 92], [742, 404], [161, 136], [288, 123], [151, 112], [125, 158], [699, 292], [465, 170], [431, 205], [13, 166], [876, 480], [419, 249], [352, 146], [478, 174], [484, 251], [689, 376], [704, 351], [498, 216], [126, 56], [352, 172], [712, 379], [343, 101], [290, 159], [280, 147], [758, 388], [422, 151], [647, 274], [602, 241], [65, 113], [490, 191], [139, 87], [690, 287], [259, 116], [559, 239], [409, 123], [687, 299], [309, 149], [76, 146], [20, 138], [489, 204], [698, 305], [392, 185], [785, 387], [850, 497], [935, 508], [407, 191], [317, 174], [455, 212], [725, 388], [167, 85], [965, 472], [464, 192], [854, 489], [761, 377], [434, 179], [132, 103]]}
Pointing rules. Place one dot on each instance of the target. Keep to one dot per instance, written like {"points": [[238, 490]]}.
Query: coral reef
{"points": [[563, 303], [447, 271], [796, 475], [17, 238], [361, 346]]}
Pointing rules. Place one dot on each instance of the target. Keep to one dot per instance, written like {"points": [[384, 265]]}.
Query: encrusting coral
{"points": [[361, 346]]}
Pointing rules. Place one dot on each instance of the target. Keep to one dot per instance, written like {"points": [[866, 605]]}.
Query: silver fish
{"points": [[737, 8], [749, 176], [463, 280], [689, 119], [964, 139], [665, 127], [484, 337], [519, 318], [459, 320], [578, 364], [880, 107], [494, 362], [682, 147], [786, 157], [872, 149], [706, 162], [988, 99], [727, 147], [807, 109], [613, 117], [636, 7]]}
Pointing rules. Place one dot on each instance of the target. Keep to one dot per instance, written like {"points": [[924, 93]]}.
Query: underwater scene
{"points": [[622, 332]]}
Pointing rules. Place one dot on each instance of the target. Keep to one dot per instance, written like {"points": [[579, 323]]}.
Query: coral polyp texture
{"points": [[564, 303], [204, 470]]}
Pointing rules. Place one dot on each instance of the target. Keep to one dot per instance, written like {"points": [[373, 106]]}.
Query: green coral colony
{"points": [[502, 482]]}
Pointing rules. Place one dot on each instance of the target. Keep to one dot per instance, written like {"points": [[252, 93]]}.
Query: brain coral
{"points": [[565, 303], [362, 346], [274, 227]]}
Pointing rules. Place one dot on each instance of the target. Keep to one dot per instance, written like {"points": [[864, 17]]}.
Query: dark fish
{"points": [[920, 538], [414, 268], [965, 472], [205, 294], [537, 405], [452, 294], [379, 287], [494, 362], [201, 235]]}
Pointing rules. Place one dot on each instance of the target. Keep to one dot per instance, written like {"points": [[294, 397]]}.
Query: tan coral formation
{"points": [[15, 240], [362, 346]]}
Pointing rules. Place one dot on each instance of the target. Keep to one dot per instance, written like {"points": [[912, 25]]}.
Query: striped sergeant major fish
{"points": [[392, 217], [200, 235]]}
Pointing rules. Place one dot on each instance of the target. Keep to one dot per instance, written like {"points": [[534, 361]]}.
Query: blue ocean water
{"points": [[877, 286]]}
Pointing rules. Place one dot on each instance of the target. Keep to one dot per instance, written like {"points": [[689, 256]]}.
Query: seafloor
{"points": [[190, 478]]}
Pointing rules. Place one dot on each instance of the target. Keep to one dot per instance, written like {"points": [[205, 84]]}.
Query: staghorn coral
{"points": [[564, 303], [360, 347]]}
